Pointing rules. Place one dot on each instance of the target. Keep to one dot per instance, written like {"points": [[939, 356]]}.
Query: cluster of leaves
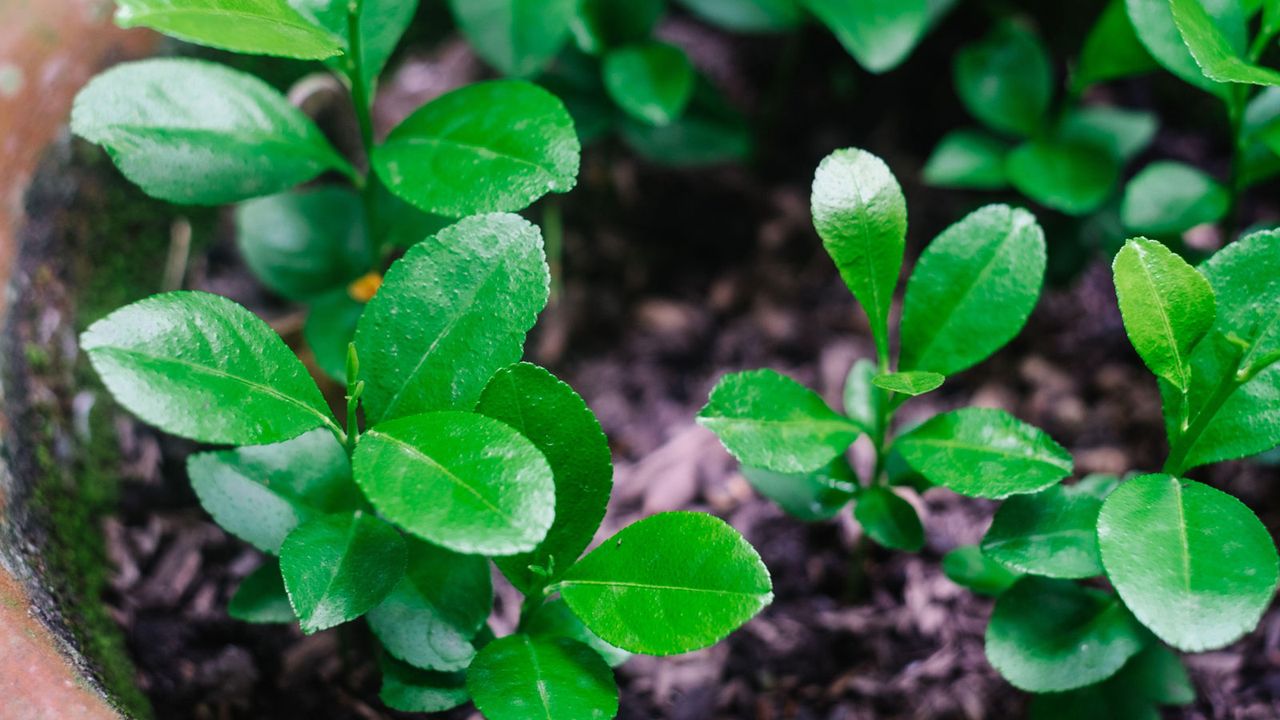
{"points": [[467, 457], [197, 132], [971, 292]]}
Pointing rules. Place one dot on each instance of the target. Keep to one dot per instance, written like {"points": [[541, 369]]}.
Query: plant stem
{"points": [[884, 416], [553, 233], [1175, 464], [1235, 101], [362, 102]]}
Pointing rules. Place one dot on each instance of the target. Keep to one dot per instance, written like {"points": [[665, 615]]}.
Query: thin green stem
{"points": [[1236, 99], [362, 102], [884, 417], [1181, 446]]}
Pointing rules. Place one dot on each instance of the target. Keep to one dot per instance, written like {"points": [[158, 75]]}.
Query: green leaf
{"points": [[602, 25], [194, 132], [1193, 563], [1157, 674], [709, 132], [462, 481], [555, 619], [1112, 50], [261, 493], [304, 244], [1167, 306], [1121, 133], [202, 367], [1005, 80], [1169, 198], [1071, 177], [338, 567], [381, 24], [450, 313], [984, 453], [1260, 138], [748, 16], [431, 616], [523, 677], [488, 147], [668, 584], [653, 81], [1154, 25], [1054, 635], [557, 421], [888, 519], [968, 567], [861, 216], [261, 597], [879, 34], [810, 497], [396, 223], [1219, 58], [1051, 533], [911, 383], [972, 290], [969, 159], [767, 420], [518, 37], [267, 27], [330, 326], [862, 401], [408, 689], [1151, 678]]}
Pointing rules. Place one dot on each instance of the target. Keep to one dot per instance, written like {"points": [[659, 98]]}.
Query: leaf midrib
{"points": [[136, 18], [986, 449], [656, 586], [418, 138], [447, 473], [1165, 322], [305, 145]]}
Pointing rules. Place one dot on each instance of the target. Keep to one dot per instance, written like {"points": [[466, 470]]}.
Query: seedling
{"points": [[467, 456], [970, 294], [196, 132]]}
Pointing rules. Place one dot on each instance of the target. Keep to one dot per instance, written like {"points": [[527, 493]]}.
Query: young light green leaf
{"points": [[1219, 58], [652, 81], [198, 133], [1154, 25], [450, 313], [1071, 177], [968, 567], [709, 132], [462, 481], [1193, 563], [381, 24], [202, 367], [1051, 533], [888, 519], [338, 567], [409, 689], [984, 453], [668, 584], [748, 16], [861, 216], [767, 420], [972, 290], [810, 497], [1112, 50], [555, 619], [304, 244], [489, 147], [525, 677], [1054, 635], [602, 25], [1169, 198], [557, 421], [261, 493], [331, 324], [879, 34], [1005, 80], [911, 383], [1121, 133], [862, 402], [268, 27], [1167, 306], [518, 37], [261, 597], [431, 616], [968, 159]]}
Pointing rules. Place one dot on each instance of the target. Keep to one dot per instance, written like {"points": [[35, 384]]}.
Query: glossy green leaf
{"points": [[199, 133], [555, 619], [862, 401], [972, 290], [329, 328], [1157, 674], [338, 567], [1154, 25], [202, 367], [1151, 678], [518, 37], [879, 34], [1054, 635], [748, 15], [409, 689], [488, 147], [260, 493], [861, 216], [431, 616], [261, 597], [709, 132], [1005, 80], [524, 677], [1112, 49], [968, 159], [602, 25], [1260, 138], [462, 481], [651, 81], [968, 567], [1169, 198], [1071, 177], [1051, 533], [984, 453], [1166, 304], [451, 313], [810, 497], [911, 383], [1121, 133], [888, 519], [268, 27], [381, 24], [671, 583], [304, 244], [1219, 58], [767, 420], [1193, 563], [557, 421]]}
